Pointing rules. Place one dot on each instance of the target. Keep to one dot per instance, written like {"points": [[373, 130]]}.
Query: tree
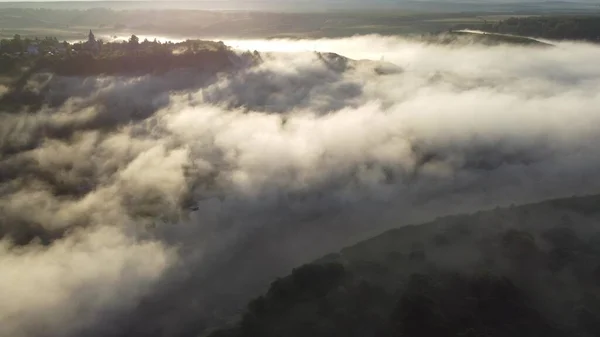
{"points": [[466, 305], [17, 44], [67, 48], [134, 40]]}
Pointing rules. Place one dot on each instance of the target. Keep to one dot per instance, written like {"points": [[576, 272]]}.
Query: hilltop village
{"points": [[95, 56], [51, 46]]}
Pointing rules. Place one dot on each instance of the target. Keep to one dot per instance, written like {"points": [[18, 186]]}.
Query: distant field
{"points": [[71, 25], [504, 17], [75, 24]]}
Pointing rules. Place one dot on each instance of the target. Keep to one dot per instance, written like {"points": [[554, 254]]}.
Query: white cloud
{"points": [[300, 151]]}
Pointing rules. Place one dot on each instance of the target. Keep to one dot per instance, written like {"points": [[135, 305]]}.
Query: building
{"points": [[33, 49], [92, 44]]}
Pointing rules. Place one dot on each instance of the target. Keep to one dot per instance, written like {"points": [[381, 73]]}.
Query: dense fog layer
{"points": [[152, 205]]}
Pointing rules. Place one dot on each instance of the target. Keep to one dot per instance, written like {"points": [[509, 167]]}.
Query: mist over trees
{"points": [[152, 189], [525, 279], [23, 58]]}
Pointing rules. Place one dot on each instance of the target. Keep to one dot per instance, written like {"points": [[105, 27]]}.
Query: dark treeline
{"points": [[93, 58], [532, 281], [19, 45], [18, 51], [329, 300], [97, 57], [585, 28], [136, 62]]}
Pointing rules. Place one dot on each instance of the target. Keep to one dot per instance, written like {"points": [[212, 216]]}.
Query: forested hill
{"points": [[585, 28], [526, 271]]}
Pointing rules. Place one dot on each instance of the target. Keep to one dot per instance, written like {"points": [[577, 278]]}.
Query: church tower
{"points": [[91, 37], [92, 44]]}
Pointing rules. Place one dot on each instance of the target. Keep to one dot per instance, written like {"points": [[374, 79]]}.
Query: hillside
{"points": [[486, 39], [531, 270], [563, 27]]}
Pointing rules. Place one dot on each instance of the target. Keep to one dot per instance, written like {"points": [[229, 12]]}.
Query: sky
{"points": [[304, 5]]}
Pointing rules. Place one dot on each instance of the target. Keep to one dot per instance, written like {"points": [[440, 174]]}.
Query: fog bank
{"points": [[154, 205]]}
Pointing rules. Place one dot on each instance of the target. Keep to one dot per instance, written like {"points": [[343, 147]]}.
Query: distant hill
{"points": [[305, 19], [486, 39], [565, 27], [531, 270]]}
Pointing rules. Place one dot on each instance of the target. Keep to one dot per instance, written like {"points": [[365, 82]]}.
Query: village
{"points": [[20, 57], [48, 46], [19, 47]]}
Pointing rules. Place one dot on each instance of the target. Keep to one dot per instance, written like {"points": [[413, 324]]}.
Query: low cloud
{"points": [[147, 205]]}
